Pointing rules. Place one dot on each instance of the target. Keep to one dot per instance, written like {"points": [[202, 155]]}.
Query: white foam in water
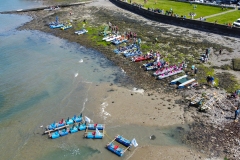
{"points": [[136, 90], [76, 74], [103, 112], [81, 60]]}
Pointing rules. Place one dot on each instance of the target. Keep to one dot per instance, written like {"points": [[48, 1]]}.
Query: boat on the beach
{"points": [[56, 26], [163, 70], [125, 49], [94, 126], [110, 38], [134, 53], [119, 40], [175, 81], [65, 27], [187, 83], [151, 68], [171, 73], [54, 135], [82, 31], [142, 58], [123, 141], [115, 149]]}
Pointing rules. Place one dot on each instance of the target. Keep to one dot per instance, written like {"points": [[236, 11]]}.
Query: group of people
{"points": [[204, 58], [113, 28]]}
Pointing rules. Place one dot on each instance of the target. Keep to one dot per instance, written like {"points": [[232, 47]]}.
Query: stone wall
{"points": [[187, 23]]}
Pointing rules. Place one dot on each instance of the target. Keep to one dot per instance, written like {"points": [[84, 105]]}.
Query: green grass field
{"points": [[225, 18], [181, 8]]}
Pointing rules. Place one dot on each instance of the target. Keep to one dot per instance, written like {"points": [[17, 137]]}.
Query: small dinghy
{"points": [[123, 141], [163, 71], [73, 129], [110, 38], [94, 135], [94, 126], [82, 31], [54, 135], [63, 132], [119, 41]]}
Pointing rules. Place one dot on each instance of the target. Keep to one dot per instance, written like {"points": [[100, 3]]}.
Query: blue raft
{"points": [[55, 135], [93, 135], [56, 26], [123, 141], [73, 129], [82, 127], [77, 119], [94, 126], [52, 126], [63, 132], [69, 121], [115, 149]]}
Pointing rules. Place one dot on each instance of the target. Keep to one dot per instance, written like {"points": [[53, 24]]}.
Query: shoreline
{"points": [[156, 89]]}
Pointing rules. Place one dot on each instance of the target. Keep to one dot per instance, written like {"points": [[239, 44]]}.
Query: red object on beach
{"points": [[142, 58], [115, 147]]}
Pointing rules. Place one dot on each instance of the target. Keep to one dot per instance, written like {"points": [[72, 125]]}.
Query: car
{"points": [[237, 23]]}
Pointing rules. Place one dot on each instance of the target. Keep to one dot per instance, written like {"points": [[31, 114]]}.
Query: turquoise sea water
{"points": [[43, 79]]}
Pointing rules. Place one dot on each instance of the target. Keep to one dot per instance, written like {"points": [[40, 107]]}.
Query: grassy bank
{"points": [[181, 8]]}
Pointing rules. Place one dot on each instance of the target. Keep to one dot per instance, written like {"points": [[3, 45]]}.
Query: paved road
{"points": [[232, 10]]}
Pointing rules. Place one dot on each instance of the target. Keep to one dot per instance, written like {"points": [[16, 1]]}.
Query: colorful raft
{"points": [[134, 53], [73, 129], [77, 119], [94, 135], [125, 49]]}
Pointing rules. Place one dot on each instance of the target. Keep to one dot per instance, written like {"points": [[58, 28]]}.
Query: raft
{"points": [[171, 73], [186, 83], [94, 126], [77, 119], [82, 127], [115, 149], [69, 121], [123, 141], [54, 135], [63, 132], [56, 26], [73, 129], [83, 31], [93, 135], [178, 79]]}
